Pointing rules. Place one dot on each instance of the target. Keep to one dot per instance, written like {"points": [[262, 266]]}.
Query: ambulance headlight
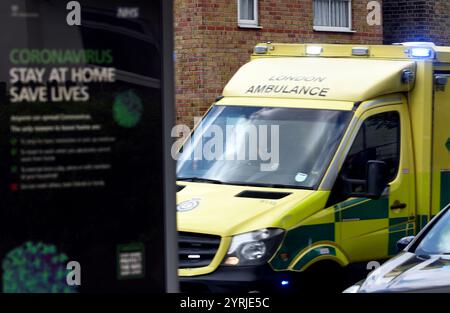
{"points": [[253, 248]]}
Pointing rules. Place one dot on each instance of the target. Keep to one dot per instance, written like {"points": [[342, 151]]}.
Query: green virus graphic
{"points": [[127, 109], [447, 144], [35, 268]]}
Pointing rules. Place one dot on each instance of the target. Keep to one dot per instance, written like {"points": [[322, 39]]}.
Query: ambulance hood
{"points": [[228, 209], [320, 78]]}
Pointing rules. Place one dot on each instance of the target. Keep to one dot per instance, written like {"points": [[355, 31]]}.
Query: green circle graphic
{"points": [[35, 268], [127, 109]]}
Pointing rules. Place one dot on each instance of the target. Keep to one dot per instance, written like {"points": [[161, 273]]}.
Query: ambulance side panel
{"points": [[420, 101]]}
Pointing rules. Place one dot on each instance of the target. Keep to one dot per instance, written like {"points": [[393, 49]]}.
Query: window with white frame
{"points": [[247, 13], [332, 15]]}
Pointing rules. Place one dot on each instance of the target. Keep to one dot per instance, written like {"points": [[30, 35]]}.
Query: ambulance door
{"points": [[369, 229], [441, 143]]}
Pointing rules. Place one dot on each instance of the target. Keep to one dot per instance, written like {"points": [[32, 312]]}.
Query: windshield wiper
{"points": [[260, 185], [268, 185], [200, 180], [215, 181]]}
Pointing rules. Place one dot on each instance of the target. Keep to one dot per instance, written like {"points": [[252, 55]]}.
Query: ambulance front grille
{"points": [[196, 250]]}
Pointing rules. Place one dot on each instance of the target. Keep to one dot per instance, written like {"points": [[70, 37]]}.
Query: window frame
{"points": [[335, 28], [243, 23]]}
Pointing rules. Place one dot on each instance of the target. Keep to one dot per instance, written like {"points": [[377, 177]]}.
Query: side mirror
{"points": [[372, 187], [404, 242], [376, 179]]}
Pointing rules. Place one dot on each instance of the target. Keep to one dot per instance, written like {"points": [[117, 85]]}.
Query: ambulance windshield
{"points": [[262, 146]]}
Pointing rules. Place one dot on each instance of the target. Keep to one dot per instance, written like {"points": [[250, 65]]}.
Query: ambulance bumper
{"points": [[237, 279]]}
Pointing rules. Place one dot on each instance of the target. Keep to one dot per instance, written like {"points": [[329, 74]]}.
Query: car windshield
{"points": [[262, 146], [437, 240]]}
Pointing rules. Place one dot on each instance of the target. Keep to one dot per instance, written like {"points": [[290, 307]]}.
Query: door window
{"points": [[378, 139]]}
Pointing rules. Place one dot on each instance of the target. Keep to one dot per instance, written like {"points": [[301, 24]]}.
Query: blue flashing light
{"points": [[421, 52], [284, 282]]}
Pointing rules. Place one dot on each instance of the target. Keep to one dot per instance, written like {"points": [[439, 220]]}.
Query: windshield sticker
{"points": [[301, 177]]}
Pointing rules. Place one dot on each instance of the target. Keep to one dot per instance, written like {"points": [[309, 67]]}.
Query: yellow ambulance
{"points": [[316, 158]]}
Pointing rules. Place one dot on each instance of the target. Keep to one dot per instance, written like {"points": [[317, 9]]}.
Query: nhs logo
{"points": [[128, 12]]}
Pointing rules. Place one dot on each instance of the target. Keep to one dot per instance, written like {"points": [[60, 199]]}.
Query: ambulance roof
{"points": [[342, 72]]}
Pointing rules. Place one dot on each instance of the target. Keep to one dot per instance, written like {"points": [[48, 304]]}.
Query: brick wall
{"points": [[210, 47], [417, 20], [440, 31]]}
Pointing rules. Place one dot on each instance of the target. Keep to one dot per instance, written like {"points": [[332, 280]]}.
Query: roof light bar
{"points": [[360, 51], [261, 49], [314, 50], [421, 52]]}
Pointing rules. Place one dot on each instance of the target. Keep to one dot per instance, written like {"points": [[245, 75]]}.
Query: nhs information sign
{"points": [[85, 101]]}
